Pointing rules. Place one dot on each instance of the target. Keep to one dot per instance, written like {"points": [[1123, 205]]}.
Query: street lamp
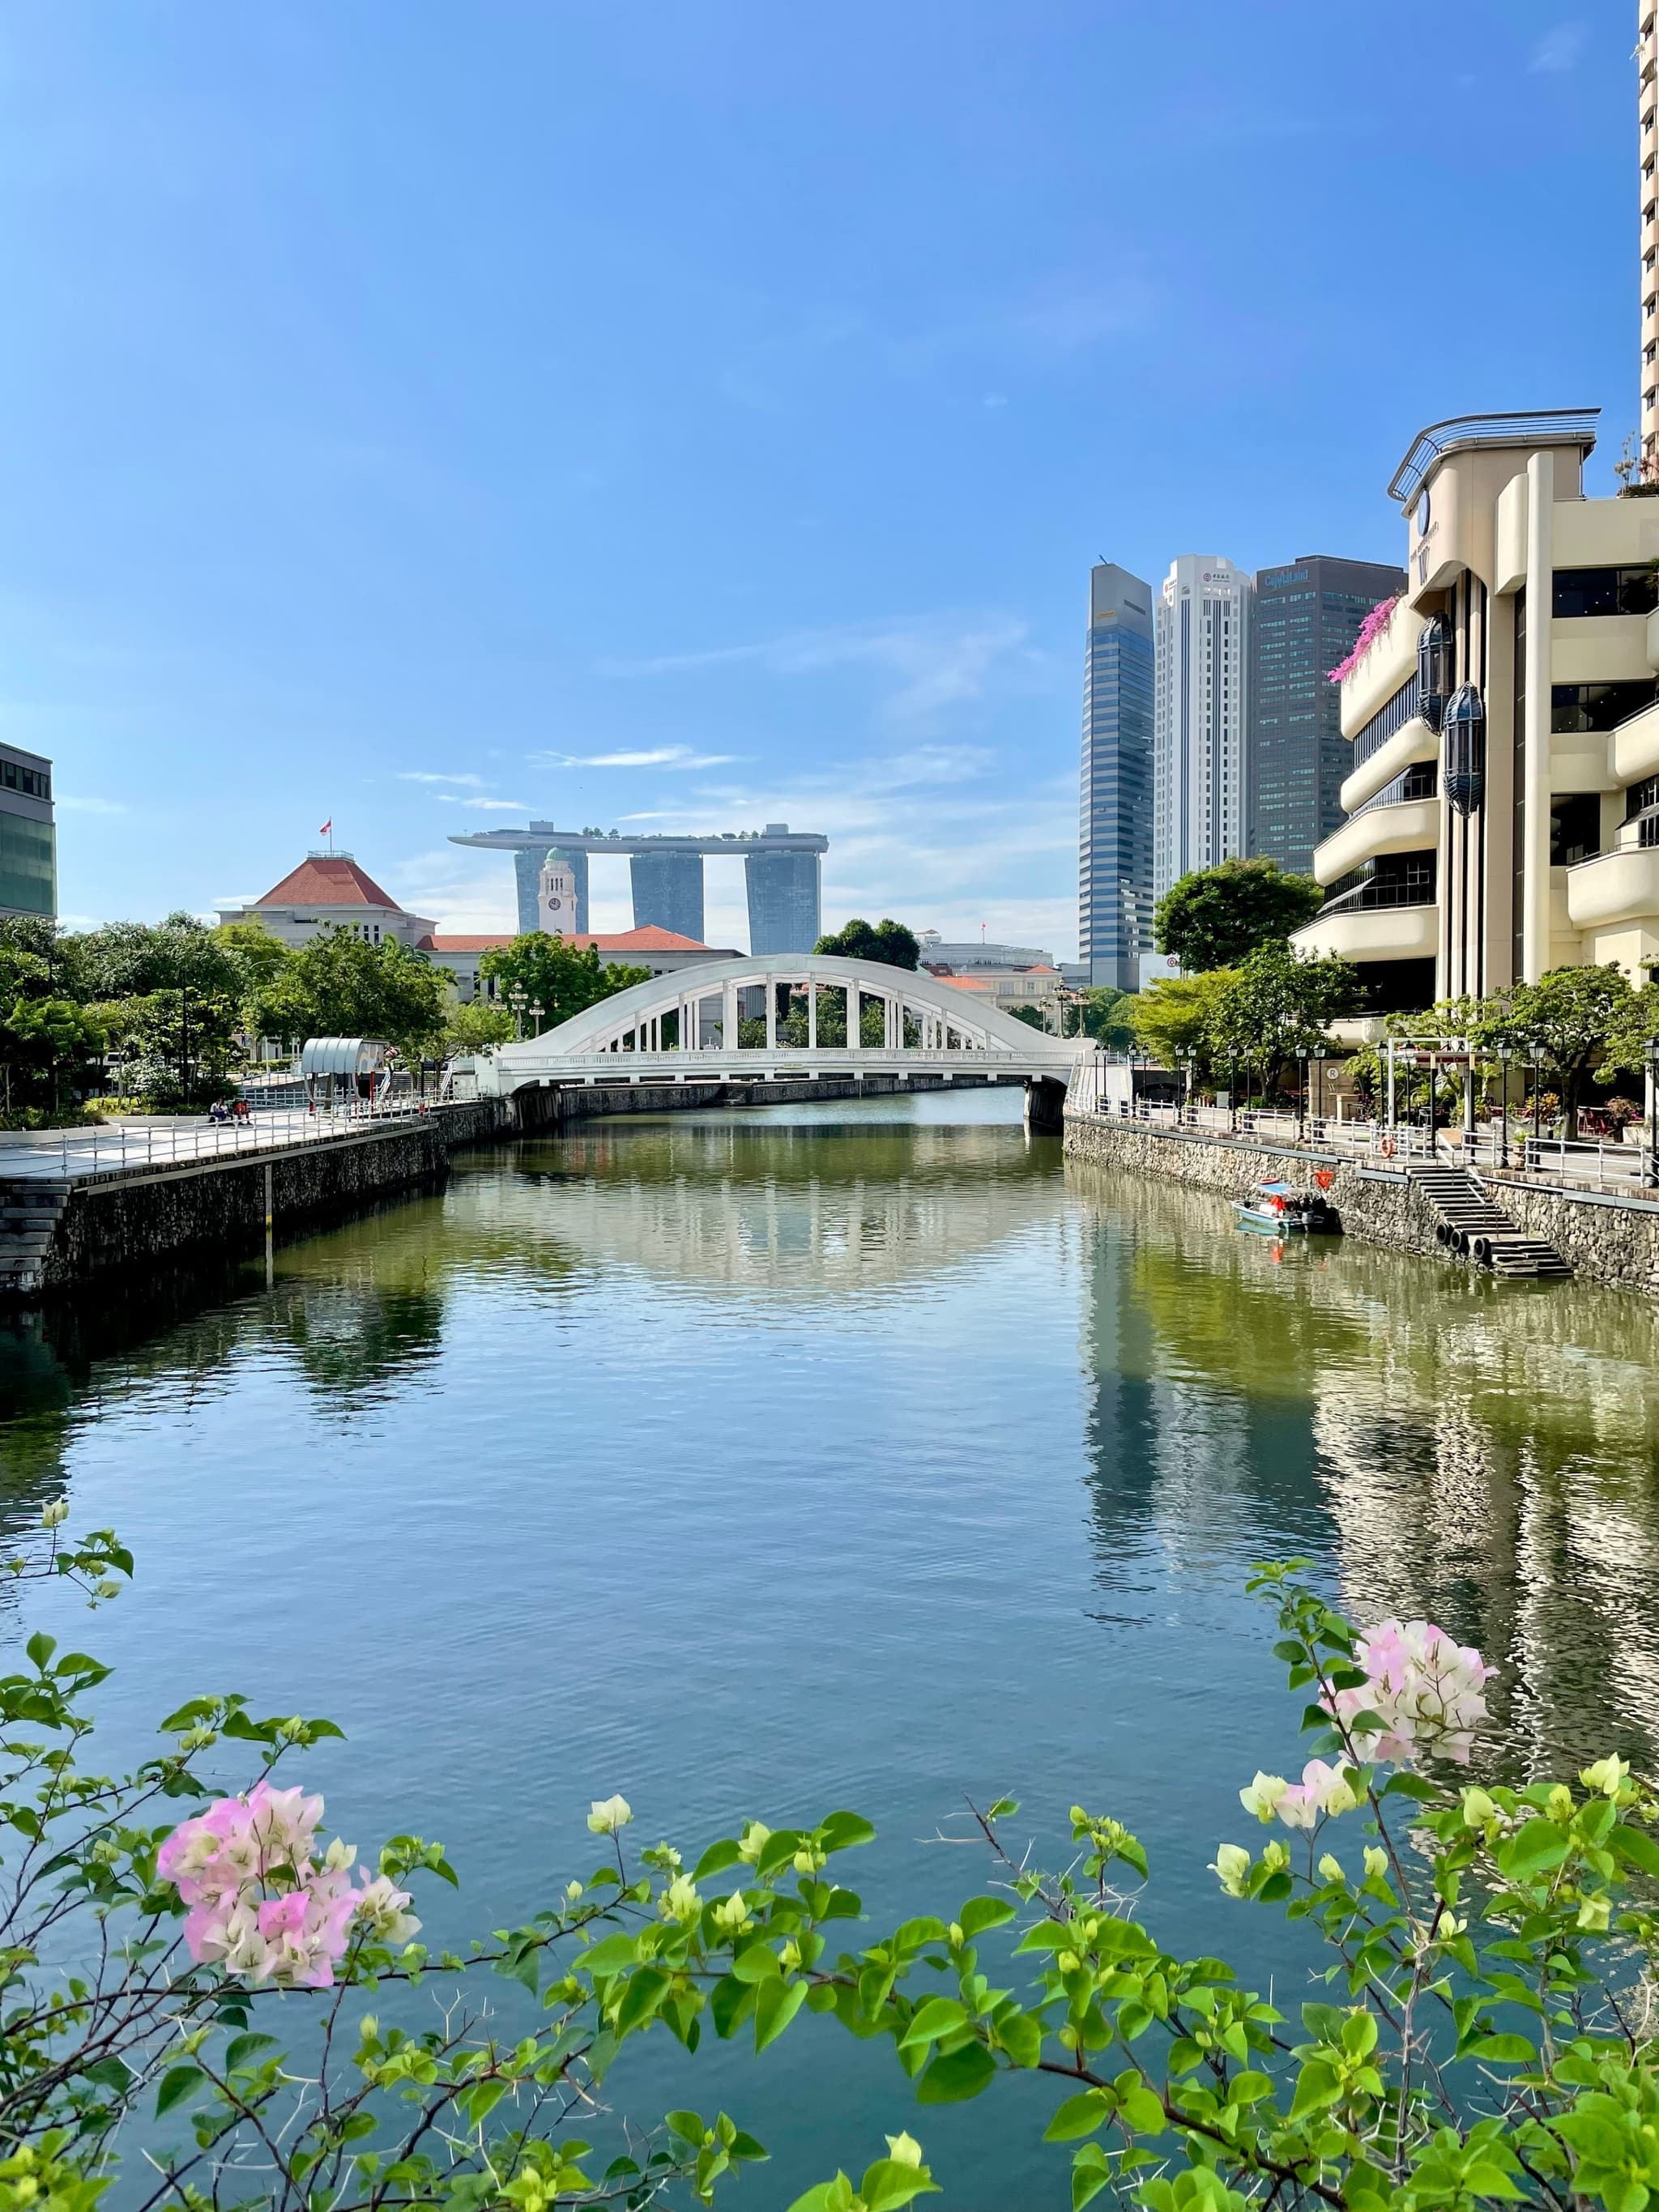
{"points": [[1502, 1056], [536, 1014], [1652, 1049], [1319, 1097], [517, 999]]}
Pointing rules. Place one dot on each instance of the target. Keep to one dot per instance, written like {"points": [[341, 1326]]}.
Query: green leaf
{"points": [[756, 1963], [482, 2101], [645, 1992], [956, 2076], [1079, 2116], [776, 2004], [982, 1912], [688, 2126], [717, 1858], [842, 1831], [1091, 2173], [939, 2016], [610, 1956], [1317, 2086], [729, 2004], [1513, 2050], [1021, 2036], [1637, 1848], [40, 1647], [243, 2047], [1533, 1850], [1004, 1809], [890, 2181], [835, 2195], [177, 2084], [1142, 2108]]}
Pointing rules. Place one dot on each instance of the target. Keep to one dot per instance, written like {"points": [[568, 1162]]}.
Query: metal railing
{"points": [[118, 1148]]}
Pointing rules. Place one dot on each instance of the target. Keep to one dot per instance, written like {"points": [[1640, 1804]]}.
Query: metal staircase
{"points": [[30, 1209], [1470, 1225]]}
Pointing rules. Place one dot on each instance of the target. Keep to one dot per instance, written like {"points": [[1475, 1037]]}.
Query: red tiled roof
{"points": [[329, 880], [649, 940]]}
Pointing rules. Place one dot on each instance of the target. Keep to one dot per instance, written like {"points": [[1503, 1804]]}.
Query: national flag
{"points": [[327, 827]]}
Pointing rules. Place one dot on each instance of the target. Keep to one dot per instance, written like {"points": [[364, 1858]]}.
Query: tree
{"points": [[1277, 1006], [173, 1050], [890, 943], [1173, 1016], [476, 1027], [130, 959], [563, 978], [1213, 917], [339, 985], [1108, 1017], [1567, 1022]]}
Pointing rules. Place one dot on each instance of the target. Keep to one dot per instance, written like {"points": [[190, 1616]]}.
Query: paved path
{"points": [[76, 1155]]}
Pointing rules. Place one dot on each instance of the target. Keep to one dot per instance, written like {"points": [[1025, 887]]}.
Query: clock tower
{"points": [[556, 896]]}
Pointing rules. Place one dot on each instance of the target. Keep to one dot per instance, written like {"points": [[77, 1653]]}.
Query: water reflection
{"points": [[1485, 1452]]}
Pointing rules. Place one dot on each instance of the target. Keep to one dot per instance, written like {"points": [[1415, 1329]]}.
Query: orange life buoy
{"points": [[1387, 1148]]}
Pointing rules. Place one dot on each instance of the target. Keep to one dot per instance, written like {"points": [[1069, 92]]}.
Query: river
{"points": [[835, 1455]]}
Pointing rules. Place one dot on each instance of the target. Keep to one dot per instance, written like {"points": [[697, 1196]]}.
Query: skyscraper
{"points": [[1114, 889], [1202, 716], [1305, 619]]}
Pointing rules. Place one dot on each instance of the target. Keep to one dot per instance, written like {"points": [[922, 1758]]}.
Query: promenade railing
{"points": [[112, 1148]]}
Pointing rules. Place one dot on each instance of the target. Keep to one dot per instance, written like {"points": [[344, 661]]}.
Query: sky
{"points": [[706, 413]]}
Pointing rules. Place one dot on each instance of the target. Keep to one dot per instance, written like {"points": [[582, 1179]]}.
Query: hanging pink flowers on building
{"points": [[1369, 630], [261, 1905]]}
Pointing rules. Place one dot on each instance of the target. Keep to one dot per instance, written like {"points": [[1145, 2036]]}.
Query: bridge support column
{"points": [[728, 1018], [1045, 1105], [812, 1017]]}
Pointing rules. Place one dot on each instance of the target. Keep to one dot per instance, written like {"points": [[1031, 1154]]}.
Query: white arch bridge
{"points": [[739, 1021]]}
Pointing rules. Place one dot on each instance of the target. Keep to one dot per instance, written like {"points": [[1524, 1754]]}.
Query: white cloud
{"points": [[71, 804], [938, 662], [670, 757], [421, 775], [1558, 49], [488, 805]]}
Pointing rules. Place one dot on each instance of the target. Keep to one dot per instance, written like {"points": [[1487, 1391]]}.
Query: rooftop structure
{"points": [[782, 866], [662, 950], [329, 890], [939, 956]]}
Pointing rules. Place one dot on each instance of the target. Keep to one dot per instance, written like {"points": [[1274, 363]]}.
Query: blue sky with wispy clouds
{"points": [[706, 413]]}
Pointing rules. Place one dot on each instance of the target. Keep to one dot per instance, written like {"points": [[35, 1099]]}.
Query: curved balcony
{"points": [[1635, 746], [1617, 886], [1412, 742], [1390, 658], [1359, 934], [1411, 826]]}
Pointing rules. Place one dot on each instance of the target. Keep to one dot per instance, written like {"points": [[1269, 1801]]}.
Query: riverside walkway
{"points": [[118, 1147]]}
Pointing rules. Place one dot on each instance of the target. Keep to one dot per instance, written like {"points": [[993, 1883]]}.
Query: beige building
{"points": [[329, 890], [1504, 800]]}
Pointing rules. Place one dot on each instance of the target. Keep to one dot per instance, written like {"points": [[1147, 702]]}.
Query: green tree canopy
{"points": [[1277, 1006], [1108, 1017], [889, 942], [1213, 917], [339, 986], [1571, 1020], [565, 979], [130, 959], [1173, 1016]]}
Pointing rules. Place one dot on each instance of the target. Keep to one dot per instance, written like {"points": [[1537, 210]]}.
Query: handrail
{"points": [[102, 1150]]}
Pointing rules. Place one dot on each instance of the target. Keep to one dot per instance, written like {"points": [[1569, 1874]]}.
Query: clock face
{"points": [[1423, 512]]}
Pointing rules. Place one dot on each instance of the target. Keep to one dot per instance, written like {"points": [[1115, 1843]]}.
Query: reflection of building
{"points": [[1303, 621], [28, 840], [780, 868], [329, 890], [1201, 716], [1114, 872], [658, 950], [1503, 792]]}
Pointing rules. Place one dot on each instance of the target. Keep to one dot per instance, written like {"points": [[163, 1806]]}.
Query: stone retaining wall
{"points": [[124, 1221], [552, 1107], [1613, 1241]]}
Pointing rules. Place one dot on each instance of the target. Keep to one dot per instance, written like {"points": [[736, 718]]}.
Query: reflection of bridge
{"points": [[720, 1022], [780, 869]]}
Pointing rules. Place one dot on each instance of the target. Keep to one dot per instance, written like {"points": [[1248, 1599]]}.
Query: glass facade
{"points": [[668, 892], [28, 840], [785, 902], [1306, 618], [1114, 889]]}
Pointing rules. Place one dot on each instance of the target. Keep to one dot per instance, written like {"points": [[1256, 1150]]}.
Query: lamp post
{"points": [[1319, 1097], [517, 999], [1192, 1071], [536, 1015], [1652, 1177], [1502, 1058]]}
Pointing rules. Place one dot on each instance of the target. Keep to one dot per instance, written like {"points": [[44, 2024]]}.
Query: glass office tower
{"points": [[1114, 891], [28, 837], [785, 899], [668, 892], [1306, 618]]}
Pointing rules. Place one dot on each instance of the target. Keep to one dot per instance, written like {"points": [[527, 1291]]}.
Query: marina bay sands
{"points": [[782, 867]]}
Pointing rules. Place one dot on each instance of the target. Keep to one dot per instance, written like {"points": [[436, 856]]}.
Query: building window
{"points": [[1581, 707], [1580, 592], [1575, 828]]}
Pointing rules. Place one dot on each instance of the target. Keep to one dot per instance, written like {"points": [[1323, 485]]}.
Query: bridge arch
{"points": [[926, 1023]]}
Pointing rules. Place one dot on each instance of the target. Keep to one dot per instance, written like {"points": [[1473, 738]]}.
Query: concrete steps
{"points": [[30, 1211], [1471, 1226]]}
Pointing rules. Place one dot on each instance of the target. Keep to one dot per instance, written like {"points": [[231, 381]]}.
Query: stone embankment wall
{"points": [[124, 1221], [1613, 1241]]}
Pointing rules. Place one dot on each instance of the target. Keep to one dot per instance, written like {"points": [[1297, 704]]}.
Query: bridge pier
{"points": [[1045, 1106]]}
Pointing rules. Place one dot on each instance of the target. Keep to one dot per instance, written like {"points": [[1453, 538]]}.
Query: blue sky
{"points": [[706, 412]]}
